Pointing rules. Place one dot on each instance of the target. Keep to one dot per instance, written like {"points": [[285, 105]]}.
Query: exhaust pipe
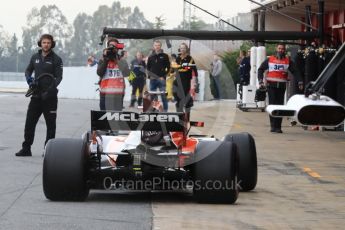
{"points": [[323, 115], [280, 111]]}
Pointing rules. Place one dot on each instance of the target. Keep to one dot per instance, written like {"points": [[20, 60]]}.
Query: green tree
{"points": [[13, 46], [12, 54], [137, 20], [80, 45], [229, 59], [246, 45], [197, 24], [159, 22], [270, 49], [100, 19], [114, 16], [5, 41], [47, 19], [27, 48], [119, 15]]}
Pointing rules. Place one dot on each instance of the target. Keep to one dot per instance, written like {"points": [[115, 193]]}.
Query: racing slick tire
{"points": [[248, 169], [64, 170], [215, 176]]}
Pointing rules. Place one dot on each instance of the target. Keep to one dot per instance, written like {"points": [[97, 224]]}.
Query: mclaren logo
{"points": [[110, 116]]}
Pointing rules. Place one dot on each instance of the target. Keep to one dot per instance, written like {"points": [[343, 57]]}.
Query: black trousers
{"points": [[276, 97], [111, 102], [138, 83], [181, 89], [218, 94], [36, 107]]}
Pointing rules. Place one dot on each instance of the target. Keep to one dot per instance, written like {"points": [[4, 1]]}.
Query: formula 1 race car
{"points": [[149, 151]]}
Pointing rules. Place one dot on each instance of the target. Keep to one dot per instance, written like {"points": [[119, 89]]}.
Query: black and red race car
{"points": [[149, 151]]}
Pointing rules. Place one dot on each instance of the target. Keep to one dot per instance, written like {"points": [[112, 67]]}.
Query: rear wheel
{"points": [[248, 169], [215, 175], [64, 170]]}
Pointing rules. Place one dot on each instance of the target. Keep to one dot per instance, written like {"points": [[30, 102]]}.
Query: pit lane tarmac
{"points": [[301, 183]]}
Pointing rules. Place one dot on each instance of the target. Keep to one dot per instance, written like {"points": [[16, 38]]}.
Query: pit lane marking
{"points": [[311, 173], [237, 126]]}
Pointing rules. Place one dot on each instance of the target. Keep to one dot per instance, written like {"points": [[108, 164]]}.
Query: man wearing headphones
{"points": [[48, 74]]}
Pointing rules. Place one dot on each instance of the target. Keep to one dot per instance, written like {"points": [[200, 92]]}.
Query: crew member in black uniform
{"points": [[278, 66], [182, 84], [48, 68], [244, 69], [138, 66]]}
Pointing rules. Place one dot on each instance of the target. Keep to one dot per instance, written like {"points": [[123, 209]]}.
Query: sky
{"points": [[13, 13]]}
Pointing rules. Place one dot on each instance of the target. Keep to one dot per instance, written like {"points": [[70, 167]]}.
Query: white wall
{"points": [[81, 83]]}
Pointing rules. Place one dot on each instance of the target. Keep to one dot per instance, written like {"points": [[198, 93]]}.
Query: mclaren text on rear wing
{"points": [[109, 120]]}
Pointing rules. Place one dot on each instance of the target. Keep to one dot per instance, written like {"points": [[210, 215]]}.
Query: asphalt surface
{"points": [[301, 182], [22, 202]]}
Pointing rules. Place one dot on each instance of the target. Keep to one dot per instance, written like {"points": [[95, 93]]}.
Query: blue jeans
{"points": [[160, 84]]}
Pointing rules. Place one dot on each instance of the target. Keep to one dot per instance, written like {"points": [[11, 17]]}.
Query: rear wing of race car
{"points": [[130, 121]]}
